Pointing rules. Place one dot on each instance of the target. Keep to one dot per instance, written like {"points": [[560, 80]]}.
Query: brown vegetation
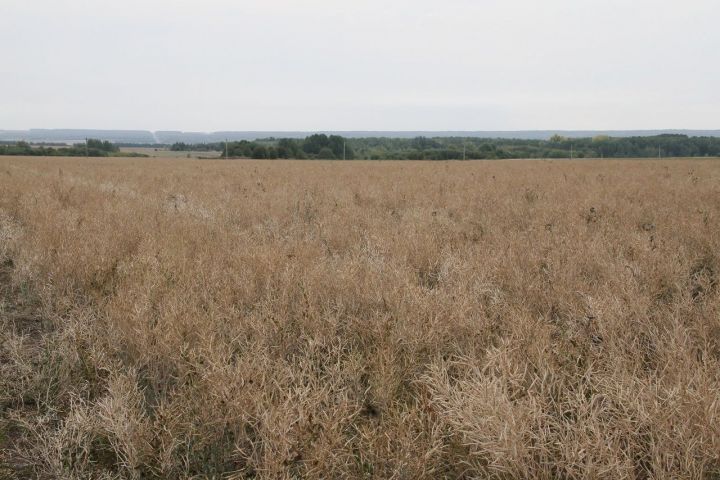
{"points": [[515, 319]]}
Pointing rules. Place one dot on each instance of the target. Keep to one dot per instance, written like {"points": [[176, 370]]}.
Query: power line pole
{"points": [[87, 154], [464, 151], [571, 151], [226, 149], [344, 149]]}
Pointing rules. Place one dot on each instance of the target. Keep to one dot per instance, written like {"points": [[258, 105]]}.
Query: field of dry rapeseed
{"points": [[515, 319]]}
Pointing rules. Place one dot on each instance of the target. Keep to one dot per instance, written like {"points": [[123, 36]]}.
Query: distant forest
{"points": [[93, 148], [329, 147], [322, 146]]}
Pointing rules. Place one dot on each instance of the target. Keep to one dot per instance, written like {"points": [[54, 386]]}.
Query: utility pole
{"points": [[344, 149], [659, 153], [463, 151], [571, 151], [87, 154], [226, 149]]}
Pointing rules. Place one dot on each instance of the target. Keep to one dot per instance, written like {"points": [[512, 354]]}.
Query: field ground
{"points": [[302, 319]]}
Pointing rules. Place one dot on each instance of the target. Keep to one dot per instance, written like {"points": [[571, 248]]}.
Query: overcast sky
{"points": [[363, 65]]}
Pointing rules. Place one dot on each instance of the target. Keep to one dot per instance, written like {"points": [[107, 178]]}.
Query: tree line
{"points": [[322, 146], [92, 148], [319, 146], [329, 147]]}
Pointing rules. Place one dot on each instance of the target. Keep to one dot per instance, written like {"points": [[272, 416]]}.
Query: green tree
{"points": [[259, 151], [314, 143], [326, 153]]}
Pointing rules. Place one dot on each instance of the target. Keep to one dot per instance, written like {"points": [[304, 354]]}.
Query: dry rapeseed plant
{"points": [[514, 319]]}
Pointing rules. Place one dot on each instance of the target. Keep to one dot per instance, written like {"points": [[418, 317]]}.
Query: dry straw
{"points": [[515, 319]]}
